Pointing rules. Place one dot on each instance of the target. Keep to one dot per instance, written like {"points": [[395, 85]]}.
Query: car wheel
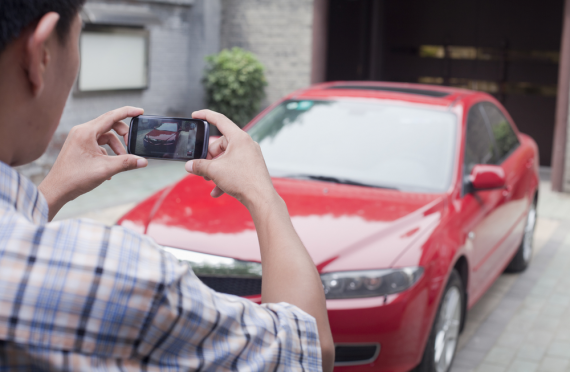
{"points": [[442, 343], [523, 256]]}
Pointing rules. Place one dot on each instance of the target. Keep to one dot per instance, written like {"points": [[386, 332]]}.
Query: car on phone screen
{"points": [[162, 138], [411, 200]]}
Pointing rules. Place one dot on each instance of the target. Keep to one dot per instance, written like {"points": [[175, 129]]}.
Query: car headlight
{"points": [[211, 265], [369, 283]]}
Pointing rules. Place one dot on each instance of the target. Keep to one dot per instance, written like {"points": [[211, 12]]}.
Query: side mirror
{"points": [[487, 177]]}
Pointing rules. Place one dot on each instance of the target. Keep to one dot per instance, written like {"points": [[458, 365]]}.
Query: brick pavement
{"points": [[523, 322]]}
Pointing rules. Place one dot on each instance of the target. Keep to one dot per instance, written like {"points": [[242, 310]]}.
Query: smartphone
{"points": [[160, 137]]}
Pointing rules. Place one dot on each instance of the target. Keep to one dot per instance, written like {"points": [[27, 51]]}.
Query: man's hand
{"points": [[83, 164], [235, 163]]}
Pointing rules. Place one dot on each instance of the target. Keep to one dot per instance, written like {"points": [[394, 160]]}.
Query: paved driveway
{"points": [[521, 324], [523, 321], [114, 198]]}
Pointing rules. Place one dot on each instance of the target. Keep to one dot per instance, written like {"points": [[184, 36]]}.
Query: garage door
{"points": [[507, 48]]}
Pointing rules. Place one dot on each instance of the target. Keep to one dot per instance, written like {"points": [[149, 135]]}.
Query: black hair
{"points": [[16, 15]]}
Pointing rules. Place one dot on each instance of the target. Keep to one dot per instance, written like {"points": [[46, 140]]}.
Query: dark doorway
{"points": [[508, 48], [348, 52]]}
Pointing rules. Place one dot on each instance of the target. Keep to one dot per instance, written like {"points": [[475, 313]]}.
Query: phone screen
{"points": [[168, 138]]}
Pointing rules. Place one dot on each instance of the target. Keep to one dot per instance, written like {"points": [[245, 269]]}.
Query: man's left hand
{"points": [[83, 164]]}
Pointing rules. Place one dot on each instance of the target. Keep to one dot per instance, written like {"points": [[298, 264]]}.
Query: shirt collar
{"points": [[19, 193]]}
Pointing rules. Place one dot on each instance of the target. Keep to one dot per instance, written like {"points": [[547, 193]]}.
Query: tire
{"points": [[442, 343], [523, 256]]}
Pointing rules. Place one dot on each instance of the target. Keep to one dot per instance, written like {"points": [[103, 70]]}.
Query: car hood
{"points": [[343, 227], [161, 135]]}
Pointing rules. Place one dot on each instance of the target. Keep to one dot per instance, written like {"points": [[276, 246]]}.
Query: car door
{"points": [[478, 209], [514, 160]]}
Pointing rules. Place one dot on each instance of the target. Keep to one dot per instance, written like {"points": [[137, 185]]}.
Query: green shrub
{"points": [[235, 84]]}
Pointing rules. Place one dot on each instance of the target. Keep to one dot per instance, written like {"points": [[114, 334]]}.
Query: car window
{"points": [[479, 145], [168, 127], [505, 137], [380, 144]]}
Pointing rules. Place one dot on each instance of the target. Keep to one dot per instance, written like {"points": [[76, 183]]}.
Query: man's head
{"points": [[16, 15], [39, 61]]}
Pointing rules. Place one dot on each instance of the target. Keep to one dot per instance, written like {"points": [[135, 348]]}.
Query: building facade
{"points": [[279, 33], [179, 35], [511, 49]]}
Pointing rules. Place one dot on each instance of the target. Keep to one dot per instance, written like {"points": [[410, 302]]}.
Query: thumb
{"points": [[199, 167], [202, 168], [123, 163]]}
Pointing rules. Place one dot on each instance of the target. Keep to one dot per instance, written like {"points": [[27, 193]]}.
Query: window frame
{"points": [[115, 29], [502, 159], [478, 106]]}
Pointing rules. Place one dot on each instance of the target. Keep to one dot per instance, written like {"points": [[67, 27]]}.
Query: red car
{"points": [[411, 200], [162, 138]]}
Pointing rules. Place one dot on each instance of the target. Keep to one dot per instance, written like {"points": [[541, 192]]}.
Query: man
{"points": [[76, 295]]}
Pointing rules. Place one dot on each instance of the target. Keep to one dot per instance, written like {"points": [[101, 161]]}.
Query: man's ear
{"points": [[38, 54]]}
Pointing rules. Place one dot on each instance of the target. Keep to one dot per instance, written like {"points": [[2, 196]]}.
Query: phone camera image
{"points": [[167, 138]]}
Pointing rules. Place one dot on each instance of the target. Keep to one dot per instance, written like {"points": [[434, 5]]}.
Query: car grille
{"points": [[233, 285], [347, 354]]}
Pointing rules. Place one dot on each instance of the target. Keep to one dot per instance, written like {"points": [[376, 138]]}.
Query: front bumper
{"points": [[159, 146], [399, 324]]}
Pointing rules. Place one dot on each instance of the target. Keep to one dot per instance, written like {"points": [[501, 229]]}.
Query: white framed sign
{"points": [[113, 58]]}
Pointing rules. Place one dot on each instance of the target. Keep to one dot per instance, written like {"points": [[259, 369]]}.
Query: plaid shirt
{"points": [[77, 295]]}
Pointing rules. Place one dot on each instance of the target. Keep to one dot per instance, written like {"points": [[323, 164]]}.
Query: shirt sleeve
{"points": [[109, 292]]}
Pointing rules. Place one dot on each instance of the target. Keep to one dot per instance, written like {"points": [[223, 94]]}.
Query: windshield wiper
{"points": [[342, 181]]}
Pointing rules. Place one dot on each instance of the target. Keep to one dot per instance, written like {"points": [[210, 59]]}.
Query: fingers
{"points": [[225, 125], [122, 130], [106, 122], [217, 192], [217, 148], [122, 163], [112, 140], [104, 152], [200, 167]]}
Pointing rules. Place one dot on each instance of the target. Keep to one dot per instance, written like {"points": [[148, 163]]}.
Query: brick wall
{"points": [[186, 33], [279, 32]]}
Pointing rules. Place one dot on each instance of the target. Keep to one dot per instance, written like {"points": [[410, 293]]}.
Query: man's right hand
{"points": [[235, 163]]}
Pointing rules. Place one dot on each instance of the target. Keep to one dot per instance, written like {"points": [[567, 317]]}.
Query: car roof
{"points": [[408, 92]]}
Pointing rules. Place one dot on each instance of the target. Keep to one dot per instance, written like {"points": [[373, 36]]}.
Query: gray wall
{"points": [[279, 32], [566, 170], [179, 42]]}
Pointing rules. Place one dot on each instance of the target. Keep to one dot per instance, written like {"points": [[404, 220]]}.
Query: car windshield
{"points": [[363, 143], [168, 127]]}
